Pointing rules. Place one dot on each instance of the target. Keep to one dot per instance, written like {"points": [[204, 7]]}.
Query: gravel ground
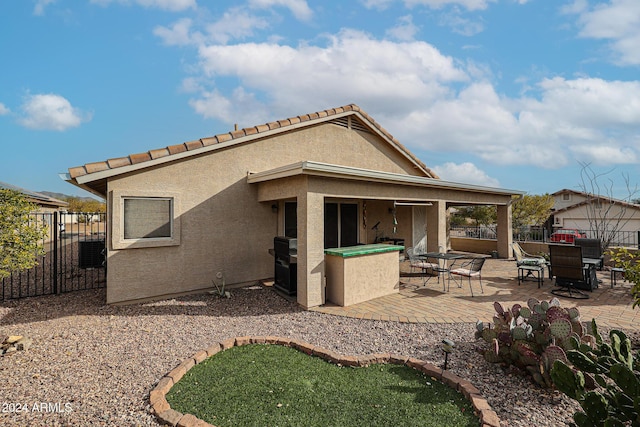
{"points": [[94, 365]]}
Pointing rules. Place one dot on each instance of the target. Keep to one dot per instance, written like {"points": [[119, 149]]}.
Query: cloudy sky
{"points": [[519, 94]]}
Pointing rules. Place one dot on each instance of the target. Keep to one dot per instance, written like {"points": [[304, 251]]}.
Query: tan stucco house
{"points": [[588, 212], [181, 215]]}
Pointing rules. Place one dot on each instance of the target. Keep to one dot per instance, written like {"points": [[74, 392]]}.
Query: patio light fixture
{"points": [[447, 347]]}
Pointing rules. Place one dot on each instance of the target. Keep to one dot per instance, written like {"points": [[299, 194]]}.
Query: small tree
{"points": [[606, 215], [532, 210], [86, 205], [20, 234], [481, 215]]}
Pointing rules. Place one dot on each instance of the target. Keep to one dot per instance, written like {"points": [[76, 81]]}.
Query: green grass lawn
{"points": [[272, 385]]}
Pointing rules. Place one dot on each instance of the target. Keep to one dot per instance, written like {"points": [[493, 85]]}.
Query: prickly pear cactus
{"points": [[573, 313], [553, 353], [556, 312], [533, 336], [525, 312], [560, 328], [602, 379]]}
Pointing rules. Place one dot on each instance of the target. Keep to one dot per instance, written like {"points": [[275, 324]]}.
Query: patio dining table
{"points": [[444, 267]]}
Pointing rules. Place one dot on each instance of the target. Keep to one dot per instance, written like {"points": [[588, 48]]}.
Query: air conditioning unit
{"points": [[92, 254]]}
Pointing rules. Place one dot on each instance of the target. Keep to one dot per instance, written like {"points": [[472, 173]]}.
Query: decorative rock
{"points": [[24, 343], [13, 338], [13, 343]]}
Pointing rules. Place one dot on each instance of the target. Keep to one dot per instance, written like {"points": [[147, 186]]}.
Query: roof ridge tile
{"points": [[193, 145], [178, 148], [159, 152], [118, 162], [96, 167], [139, 158]]}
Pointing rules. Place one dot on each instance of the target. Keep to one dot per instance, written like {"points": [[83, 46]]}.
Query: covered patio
{"points": [[415, 303], [410, 209]]}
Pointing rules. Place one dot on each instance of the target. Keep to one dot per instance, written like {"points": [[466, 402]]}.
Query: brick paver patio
{"points": [[611, 307]]}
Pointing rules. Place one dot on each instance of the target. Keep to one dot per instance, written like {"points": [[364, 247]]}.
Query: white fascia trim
{"points": [[347, 172]]}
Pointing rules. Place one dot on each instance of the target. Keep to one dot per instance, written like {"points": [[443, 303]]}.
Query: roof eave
{"points": [[337, 171]]}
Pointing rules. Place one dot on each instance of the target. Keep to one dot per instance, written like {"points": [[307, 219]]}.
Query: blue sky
{"points": [[509, 93]]}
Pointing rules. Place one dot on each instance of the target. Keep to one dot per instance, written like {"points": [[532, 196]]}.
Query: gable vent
{"points": [[350, 122]]}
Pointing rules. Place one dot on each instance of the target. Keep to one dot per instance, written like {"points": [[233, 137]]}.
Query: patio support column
{"points": [[437, 226], [504, 231], [310, 249]]}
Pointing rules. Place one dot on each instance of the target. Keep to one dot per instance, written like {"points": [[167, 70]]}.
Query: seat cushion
{"points": [[423, 265], [465, 272], [532, 261]]}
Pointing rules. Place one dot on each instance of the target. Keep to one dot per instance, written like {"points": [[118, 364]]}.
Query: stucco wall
{"points": [[224, 228], [361, 278]]}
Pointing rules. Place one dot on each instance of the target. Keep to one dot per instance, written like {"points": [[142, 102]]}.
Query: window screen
{"points": [[147, 218]]}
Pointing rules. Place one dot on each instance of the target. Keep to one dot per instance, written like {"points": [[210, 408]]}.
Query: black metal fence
{"points": [[627, 239], [74, 257]]}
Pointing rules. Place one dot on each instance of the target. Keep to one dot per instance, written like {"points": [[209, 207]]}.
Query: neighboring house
{"points": [[182, 215], [580, 210], [45, 203]]}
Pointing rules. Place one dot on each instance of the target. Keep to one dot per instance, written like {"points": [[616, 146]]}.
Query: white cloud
{"points": [[299, 8], [427, 100], [351, 67], [240, 105], [3, 109], [405, 30], [171, 5], [606, 154], [235, 24], [461, 25], [465, 172], [38, 9], [433, 4], [569, 120], [617, 21], [178, 34], [51, 112]]}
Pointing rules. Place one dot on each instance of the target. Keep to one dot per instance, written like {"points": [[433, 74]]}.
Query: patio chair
{"points": [[572, 276], [529, 265], [417, 263], [591, 248], [523, 258], [470, 268]]}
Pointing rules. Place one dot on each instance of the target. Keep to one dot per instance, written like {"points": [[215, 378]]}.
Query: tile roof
{"points": [[167, 152]]}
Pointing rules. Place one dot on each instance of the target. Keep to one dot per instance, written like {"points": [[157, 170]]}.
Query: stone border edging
{"points": [[165, 415]]}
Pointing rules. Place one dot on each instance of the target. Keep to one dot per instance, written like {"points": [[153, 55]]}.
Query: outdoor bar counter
{"points": [[360, 273]]}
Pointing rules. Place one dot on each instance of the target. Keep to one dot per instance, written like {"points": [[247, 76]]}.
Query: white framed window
{"points": [[566, 197], [147, 219]]}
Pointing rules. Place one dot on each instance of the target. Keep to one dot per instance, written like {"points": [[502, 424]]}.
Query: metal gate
{"points": [[74, 259]]}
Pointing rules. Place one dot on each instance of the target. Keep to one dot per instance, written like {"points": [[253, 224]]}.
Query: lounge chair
{"points": [[529, 265], [523, 258], [572, 276]]}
